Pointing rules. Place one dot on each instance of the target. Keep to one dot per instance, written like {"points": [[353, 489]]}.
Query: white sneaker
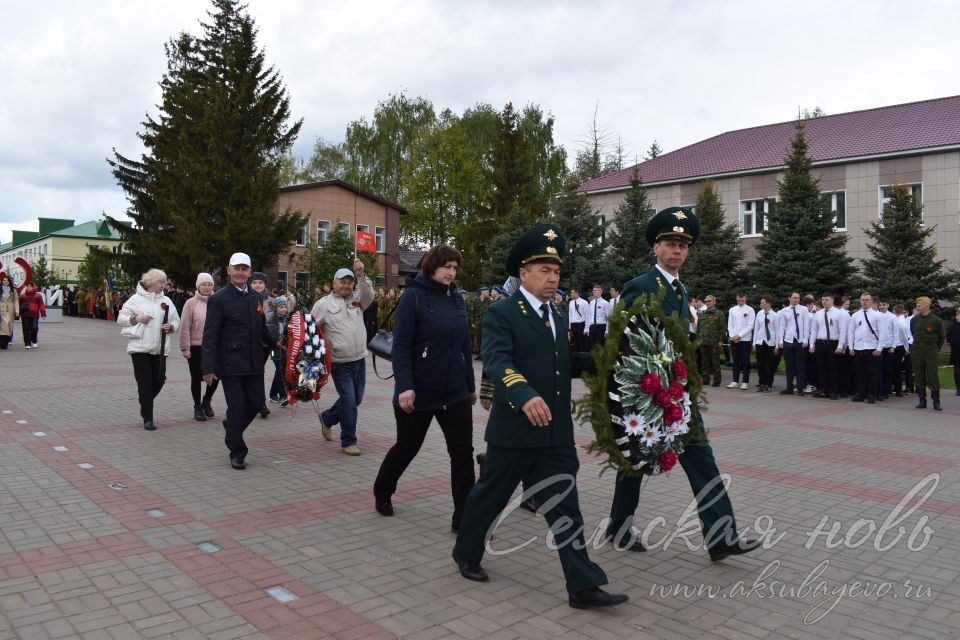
{"points": [[26, 346], [808, 389], [732, 385], [35, 345], [744, 386]]}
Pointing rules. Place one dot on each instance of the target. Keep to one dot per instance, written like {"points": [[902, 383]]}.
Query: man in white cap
{"points": [[340, 315], [235, 335]]}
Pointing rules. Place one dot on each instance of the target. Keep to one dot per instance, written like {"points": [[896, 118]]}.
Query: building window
{"points": [[282, 280], [916, 190], [323, 232], [344, 227], [381, 235], [117, 249], [302, 280], [603, 229], [836, 203], [753, 216], [304, 238]]}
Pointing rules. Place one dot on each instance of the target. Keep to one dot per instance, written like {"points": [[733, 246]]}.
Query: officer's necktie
{"points": [[796, 323], [766, 324], [677, 287], [826, 322], [545, 314]]}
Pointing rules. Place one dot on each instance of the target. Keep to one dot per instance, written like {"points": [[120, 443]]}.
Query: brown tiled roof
{"points": [[894, 130]]}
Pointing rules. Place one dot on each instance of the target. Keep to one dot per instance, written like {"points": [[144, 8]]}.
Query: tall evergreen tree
{"points": [[800, 251], [208, 182], [715, 263], [502, 239], [627, 253], [583, 264], [902, 265]]}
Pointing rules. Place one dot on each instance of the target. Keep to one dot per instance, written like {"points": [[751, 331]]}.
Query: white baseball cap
{"points": [[239, 258], [344, 273]]}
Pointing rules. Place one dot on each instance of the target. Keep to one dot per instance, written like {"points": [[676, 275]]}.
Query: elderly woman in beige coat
{"points": [[9, 310]]}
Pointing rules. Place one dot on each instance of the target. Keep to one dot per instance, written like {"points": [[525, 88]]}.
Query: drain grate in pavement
{"points": [[208, 547], [281, 595]]}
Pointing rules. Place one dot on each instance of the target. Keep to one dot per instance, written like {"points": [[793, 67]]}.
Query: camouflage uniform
{"points": [[710, 327]]}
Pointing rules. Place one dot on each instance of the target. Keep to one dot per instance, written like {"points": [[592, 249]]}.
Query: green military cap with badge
{"points": [[673, 223], [543, 242]]}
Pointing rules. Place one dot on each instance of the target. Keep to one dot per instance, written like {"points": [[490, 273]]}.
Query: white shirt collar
{"points": [[670, 278], [532, 300]]}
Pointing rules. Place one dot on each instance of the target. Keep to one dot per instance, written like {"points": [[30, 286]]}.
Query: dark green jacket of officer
{"points": [[523, 360], [654, 283]]}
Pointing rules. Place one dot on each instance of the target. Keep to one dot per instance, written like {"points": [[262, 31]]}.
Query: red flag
{"points": [[366, 242]]}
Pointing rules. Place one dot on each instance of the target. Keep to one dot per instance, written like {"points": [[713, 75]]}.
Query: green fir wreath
{"points": [[650, 342]]}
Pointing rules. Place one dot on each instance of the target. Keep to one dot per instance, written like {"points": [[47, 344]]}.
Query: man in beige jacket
{"points": [[340, 315]]}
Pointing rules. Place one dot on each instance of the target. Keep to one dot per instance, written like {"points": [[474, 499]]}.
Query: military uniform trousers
{"points": [[924, 359], [710, 358], [713, 507], [503, 470]]}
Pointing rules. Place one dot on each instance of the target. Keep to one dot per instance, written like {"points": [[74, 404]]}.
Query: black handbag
{"points": [[382, 343]]}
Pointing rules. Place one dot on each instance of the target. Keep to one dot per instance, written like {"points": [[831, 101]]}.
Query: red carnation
{"points": [[680, 369], [673, 413], [315, 395], [668, 460], [676, 390], [662, 398], [650, 383], [292, 399]]}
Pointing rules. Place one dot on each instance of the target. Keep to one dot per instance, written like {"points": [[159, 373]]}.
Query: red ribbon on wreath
{"points": [[296, 341]]}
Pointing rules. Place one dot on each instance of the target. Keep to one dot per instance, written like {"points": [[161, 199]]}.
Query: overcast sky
{"points": [[77, 78]]}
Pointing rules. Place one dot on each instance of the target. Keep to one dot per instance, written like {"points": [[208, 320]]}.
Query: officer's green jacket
{"points": [[653, 282], [523, 360]]}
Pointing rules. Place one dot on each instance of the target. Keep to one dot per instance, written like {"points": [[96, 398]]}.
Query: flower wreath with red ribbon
{"points": [[307, 368]]}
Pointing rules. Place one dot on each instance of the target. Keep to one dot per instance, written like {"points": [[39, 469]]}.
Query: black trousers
{"points": [[150, 372], [845, 373], [456, 422], [196, 377], [741, 360], [885, 373], [867, 367], [579, 340], [244, 396], [31, 326], [898, 372], [765, 364], [597, 333], [825, 352], [795, 357], [907, 371]]}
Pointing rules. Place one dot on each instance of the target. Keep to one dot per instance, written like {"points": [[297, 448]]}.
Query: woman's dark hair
{"points": [[439, 255]]}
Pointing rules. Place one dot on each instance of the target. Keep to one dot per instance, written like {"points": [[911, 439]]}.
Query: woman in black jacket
{"points": [[953, 339], [434, 378]]}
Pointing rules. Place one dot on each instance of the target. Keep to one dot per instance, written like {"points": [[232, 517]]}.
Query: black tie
{"points": [[826, 322], [796, 323], [677, 288], [596, 303], [766, 324], [545, 313]]}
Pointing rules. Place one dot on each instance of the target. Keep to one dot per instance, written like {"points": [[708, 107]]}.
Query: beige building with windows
{"points": [[332, 203], [63, 245], [857, 156]]}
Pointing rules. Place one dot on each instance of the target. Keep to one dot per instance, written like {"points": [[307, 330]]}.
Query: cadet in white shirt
{"points": [[597, 313], [827, 332], [794, 332], [888, 355], [904, 377], [576, 311], [740, 329], [765, 332], [865, 335]]}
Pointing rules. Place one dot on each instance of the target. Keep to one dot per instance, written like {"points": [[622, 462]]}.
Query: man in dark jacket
{"points": [[234, 338], [530, 431]]}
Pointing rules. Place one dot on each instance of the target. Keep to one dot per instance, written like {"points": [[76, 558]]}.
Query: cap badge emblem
{"points": [[550, 235], [680, 215]]}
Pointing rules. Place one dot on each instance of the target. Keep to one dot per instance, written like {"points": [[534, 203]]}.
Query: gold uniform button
{"points": [[558, 373], [556, 354]]}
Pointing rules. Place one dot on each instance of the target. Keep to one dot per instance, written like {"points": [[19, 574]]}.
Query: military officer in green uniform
{"points": [[670, 233], [530, 430], [710, 328], [928, 336]]}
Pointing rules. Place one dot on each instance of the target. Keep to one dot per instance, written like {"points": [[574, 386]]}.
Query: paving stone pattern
{"points": [[100, 521]]}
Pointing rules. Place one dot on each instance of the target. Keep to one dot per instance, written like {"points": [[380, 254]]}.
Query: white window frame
{"points": [[380, 233], [833, 208], [304, 238], [323, 227], [883, 200], [345, 227], [741, 211], [305, 278], [363, 227], [282, 280]]}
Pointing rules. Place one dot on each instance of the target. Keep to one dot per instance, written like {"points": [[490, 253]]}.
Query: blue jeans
{"points": [[349, 378]]}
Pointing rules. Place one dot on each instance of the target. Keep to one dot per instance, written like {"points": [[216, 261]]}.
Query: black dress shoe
{"points": [[632, 545], [741, 546], [198, 414], [481, 461], [238, 463], [477, 574], [384, 507], [264, 412], [833, 396], [856, 399], [207, 409], [149, 426], [531, 504], [786, 392], [596, 597]]}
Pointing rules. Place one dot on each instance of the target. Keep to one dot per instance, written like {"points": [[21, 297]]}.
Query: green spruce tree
{"points": [[799, 250], [583, 264], [715, 263], [208, 182], [627, 253], [903, 261]]}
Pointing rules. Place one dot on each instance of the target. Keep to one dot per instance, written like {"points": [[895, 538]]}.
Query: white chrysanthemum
{"points": [[307, 317], [316, 340], [672, 432], [634, 424], [308, 349], [321, 348], [650, 436]]}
